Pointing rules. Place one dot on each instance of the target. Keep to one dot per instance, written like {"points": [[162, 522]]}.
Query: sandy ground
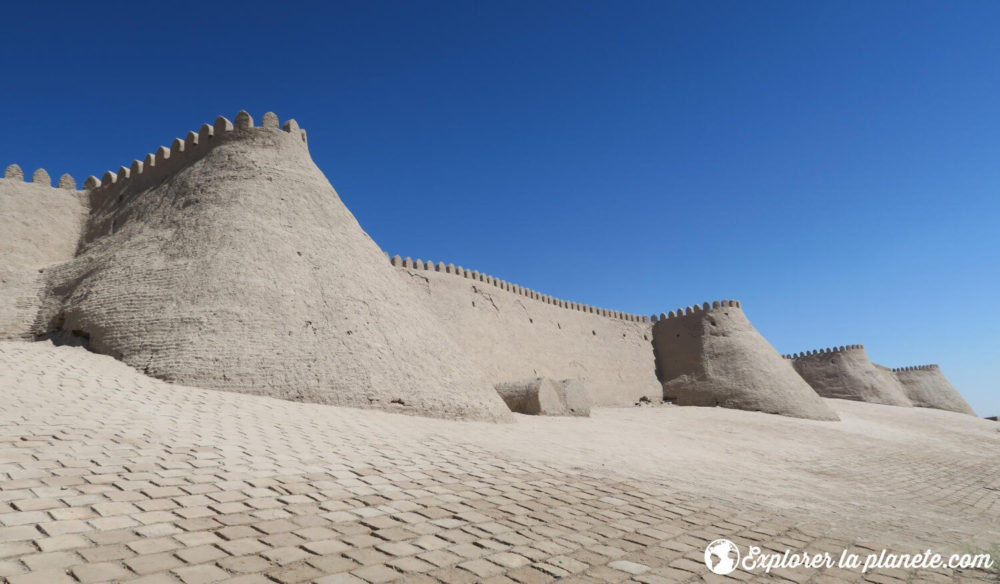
{"points": [[108, 475]]}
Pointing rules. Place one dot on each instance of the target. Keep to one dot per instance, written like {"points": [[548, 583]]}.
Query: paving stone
{"points": [[62, 542], [377, 574], [203, 574], [200, 554], [105, 553], [333, 564], [99, 572], [51, 560], [155, 579], [49, 576], [324, 494], [151, 563], [627, 566], [294, 574], [340, 579]]}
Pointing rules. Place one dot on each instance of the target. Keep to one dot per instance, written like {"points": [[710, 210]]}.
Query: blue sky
{"points": [[835, 166]]}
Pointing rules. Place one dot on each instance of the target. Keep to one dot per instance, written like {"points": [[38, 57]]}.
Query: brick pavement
{"points": [[109, 476]]}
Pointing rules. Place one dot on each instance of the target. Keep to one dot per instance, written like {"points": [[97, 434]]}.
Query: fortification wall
{"points": [[228, 261], [42, 226], [927, 387], [845, 372], [711, 355], [512, 333]]}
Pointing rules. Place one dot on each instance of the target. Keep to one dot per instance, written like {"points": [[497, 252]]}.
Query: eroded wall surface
{"points": [[512, 333], [847, 373], [927, 387], [228, 261], [41, 226], [712, 356]]}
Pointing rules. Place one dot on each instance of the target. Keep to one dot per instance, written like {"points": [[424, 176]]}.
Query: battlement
{"points": [[696, 309], [418, 264], [167, 160], [39, 177], [822, 352], [930, 367]]}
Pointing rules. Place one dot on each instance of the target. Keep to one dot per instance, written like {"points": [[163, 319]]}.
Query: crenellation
{"points": [[167, 159], [13, 172], [270, 120], [91, 182], [66, 182], [928, 367], [291, 126], [222, 126], [243, 121], [205, 134], [475, 275], [41, 177], [162, 156], [827, 351], [109, 178]]}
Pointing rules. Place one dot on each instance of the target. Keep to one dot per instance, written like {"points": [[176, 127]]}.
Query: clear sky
{"points": [[834, 165]]}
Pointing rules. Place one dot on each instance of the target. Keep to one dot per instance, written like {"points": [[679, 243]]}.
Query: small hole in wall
{"points": [[559, 325], [593, 333], [645, 337], [531, 320], [678, 335], [473, 303]]}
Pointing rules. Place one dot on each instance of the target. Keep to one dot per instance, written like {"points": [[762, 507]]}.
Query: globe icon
{"points": [[722, 556]]}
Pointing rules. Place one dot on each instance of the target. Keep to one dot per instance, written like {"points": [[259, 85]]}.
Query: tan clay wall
{"points": [[927, 387], [513, 333], [847, 373], [228, 261], [42, 226], [711, 355]]}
